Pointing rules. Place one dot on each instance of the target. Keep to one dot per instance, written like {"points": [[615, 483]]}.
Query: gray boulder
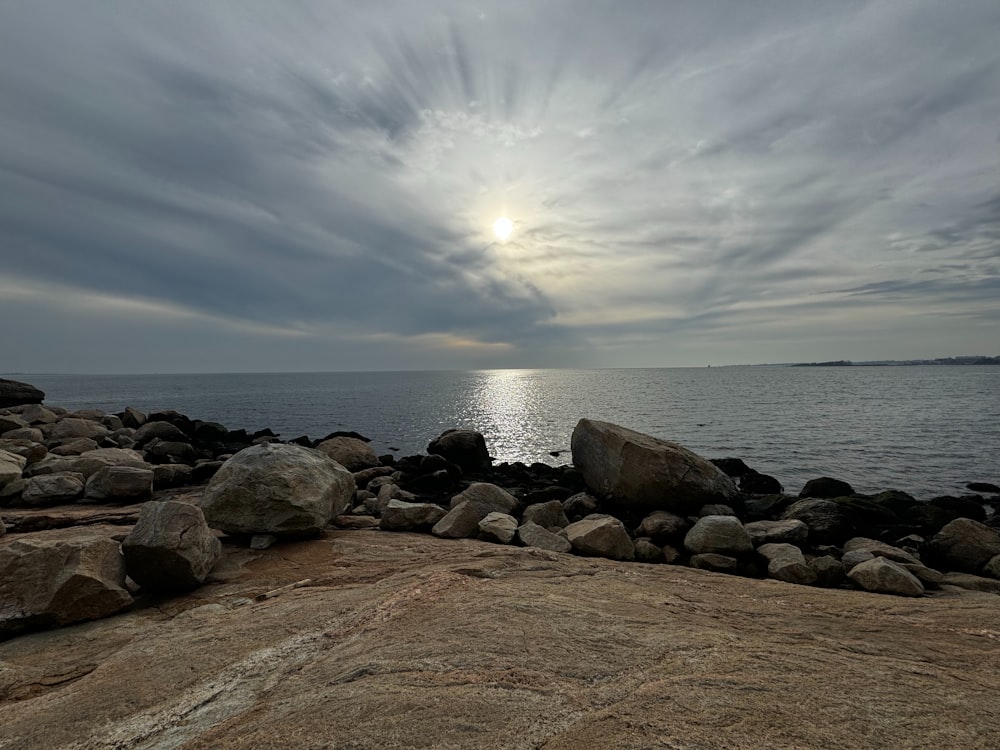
{"points": [[640, 472], [462, 521], [498, 527], [74, 447], [663, 527], [87, 463], [60, 576], [279, 489], [35, 414], [159, 430], [11, 466], [723, 535], [352, 453], [52, 489], [15, 393], [489, 495], [398, 515], [601, 536], [826, 487], [792, 531], [546, 515], [11, 422], [850, 559], [532, 535], [971, 582], [714, 562], [829, 571], [992, 568], [120, 484], [133, 418], [29, 450], [880, 549], [26, 433], [466, 448], [171, 547], [69, 428], [785, 562], [883, 576], [828, 522], [964, 545], [647, 552]]}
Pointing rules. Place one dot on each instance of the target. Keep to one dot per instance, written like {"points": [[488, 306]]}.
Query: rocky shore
{"points": [[135, 515]]}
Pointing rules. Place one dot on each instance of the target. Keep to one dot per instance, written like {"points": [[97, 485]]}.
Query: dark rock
{"points": [[347, 434], [172, 475], [961, 507], [532, 535], [496, 498], [647, 552], [351, 453], [716, 510], [755, 483], [663, 527], [158, 430], [828, 521], [766, 507], [204, 470], [171, 547], [398, 515], [210, 432], [984, 487], [132, 417], [964, 545], [546, 515], [466, 448], [363, 477], [714, 562], [971, 582], [436, 482], [826, 487], [829, 571], [170, 451], [580, 505], [552, 492], [791, 531], [120, 484], [719, 534], [732, 467], [183, 423], [15, 393]]}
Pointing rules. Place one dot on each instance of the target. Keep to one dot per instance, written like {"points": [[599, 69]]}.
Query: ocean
{"points": [[927, 430]]}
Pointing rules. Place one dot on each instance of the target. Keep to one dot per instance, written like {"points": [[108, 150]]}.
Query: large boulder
{"points": [[11, 466], [57, 577], [964, 545], [465, 448], [826, 487], [828, 522], [883, 576], [171, 547], [399, 515], [496, 498], [120, 484], [159, 430], [663, 527], [52, 489], [722, 535], [643, 473], [279, 489], [880, 549], [87, 463], [498, 527], [70, 428], [785, 562], [530, 534], [792, 531], [15, 393], [546, 515], [352, 453], [462, 521], [601, 536]]}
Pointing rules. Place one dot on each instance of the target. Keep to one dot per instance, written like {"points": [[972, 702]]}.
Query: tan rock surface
{"points": [[402, 640]]}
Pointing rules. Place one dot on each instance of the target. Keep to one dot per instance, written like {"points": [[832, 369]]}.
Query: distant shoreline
{"points": [[947, 361]]}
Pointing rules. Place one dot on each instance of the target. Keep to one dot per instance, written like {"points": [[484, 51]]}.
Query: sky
{"points": [[243, 186]]}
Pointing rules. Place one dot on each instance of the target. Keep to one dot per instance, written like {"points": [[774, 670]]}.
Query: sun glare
{"points": [[502, 228]]}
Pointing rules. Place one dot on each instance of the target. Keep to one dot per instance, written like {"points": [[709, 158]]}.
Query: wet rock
{"points": [[718, 534], [52, 489], [828, 522], [732, 467], [171, 547], [546, 515], [961, 507], [350, 452], [601, 536], [120, 484], [791, 531], [826, 487], [278, 489], [15, 393], [766, 507], [984, 487], [639, 472], [466, 448], [663, 527], [964, 545], [755, 483], [498, 527], [785, 562], [714, 562], [57, 577], [532, 535], [883, 576], [398, 515]]}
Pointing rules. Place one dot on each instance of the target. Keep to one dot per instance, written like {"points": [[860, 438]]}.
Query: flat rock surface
{"points": [[404, 640]]}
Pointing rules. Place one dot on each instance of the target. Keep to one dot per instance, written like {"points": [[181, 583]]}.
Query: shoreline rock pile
{"points": [[627, 496]]}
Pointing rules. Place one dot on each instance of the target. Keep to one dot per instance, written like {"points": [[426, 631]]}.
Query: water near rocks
{"points": [[926, 430]]}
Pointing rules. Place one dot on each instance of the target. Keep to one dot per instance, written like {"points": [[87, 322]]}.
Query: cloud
{"points": [[678, 175]]}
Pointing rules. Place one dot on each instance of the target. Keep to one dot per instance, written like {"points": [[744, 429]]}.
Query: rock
{"points": [[932, 579], [546, 515], [398, 515], [639, 472], [31, 452], [961, 507], [992, 568], [69, 428], [715, 509], [718, 534], [826, 487], [663, 527], [981, 487], [151, 431], [732, 467], [363, 477], [278, 489], [883, 576], [11, 466], [349, 452], [791, 531], [15, 393], [766, 507], [466, 448], [828, 522], [57, 577], [462, 521], [755, 483], [880, 549], [488, 495], [133, 418], [647, 552], [204, 469], [35, 414], [11, 490], [52, 489], [171, 547], [972, 583], [579, 506], [851, 559], [11, 422], [964, 545], [167, 451], [532, 535], [829, 571], [601, 536], [171, 475], [498, 527], [714, 562], [436, 482], [386, 493], [120, 484], [785, 562], [87, 463], [74, 447], [210, 433], [262, 541]]}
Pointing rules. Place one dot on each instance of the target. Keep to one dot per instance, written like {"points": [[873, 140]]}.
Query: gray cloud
{"points": [[687, 178]]}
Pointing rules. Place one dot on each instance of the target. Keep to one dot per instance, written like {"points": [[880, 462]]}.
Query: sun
{"points": [[502, 228]]}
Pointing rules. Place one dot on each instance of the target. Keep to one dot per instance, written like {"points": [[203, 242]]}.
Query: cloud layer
{"points": [[262, 186]]}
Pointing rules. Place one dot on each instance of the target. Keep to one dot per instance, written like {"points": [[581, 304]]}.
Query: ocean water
{"points": [[926, 430]]}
